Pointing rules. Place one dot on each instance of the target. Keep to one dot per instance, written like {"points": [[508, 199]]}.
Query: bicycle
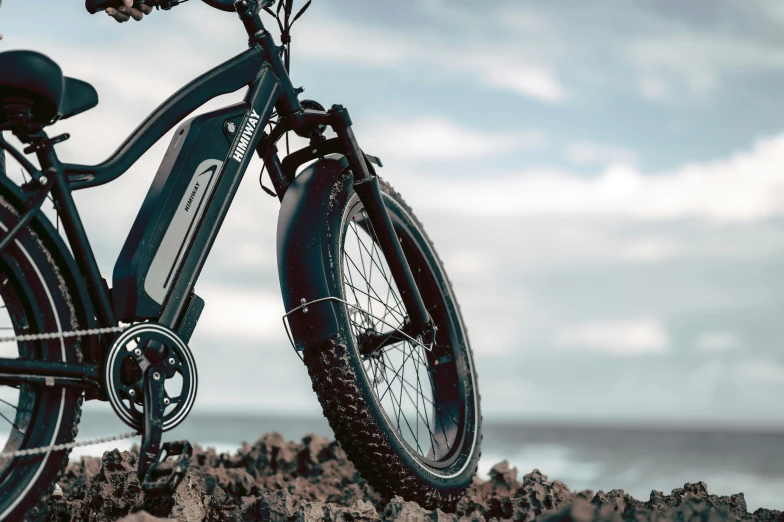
{"points": [[369, 308]]}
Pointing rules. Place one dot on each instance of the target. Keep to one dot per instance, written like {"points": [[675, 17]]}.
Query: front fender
{"points": [[62, 259], [307, 237]]}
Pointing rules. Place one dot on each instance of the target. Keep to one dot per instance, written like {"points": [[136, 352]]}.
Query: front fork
{"points": [[367, 188]]}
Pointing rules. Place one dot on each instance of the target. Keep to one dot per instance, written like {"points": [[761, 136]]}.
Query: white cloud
{"points": [[654, 88], [697, 59], [717, 341], [743, 187], [528, 80], [240, 314], [468, 262], [515, 69], [441, 139], [587, 153], [648, 249], [758, 371], [619, 337]]}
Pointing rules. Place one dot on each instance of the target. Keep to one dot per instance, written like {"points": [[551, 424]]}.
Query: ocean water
{"points": [[634, 459]]}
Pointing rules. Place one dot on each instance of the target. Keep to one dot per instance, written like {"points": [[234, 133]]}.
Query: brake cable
{"points": [[285, 33]]}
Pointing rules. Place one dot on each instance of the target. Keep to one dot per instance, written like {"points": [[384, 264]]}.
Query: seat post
{"points": [[18, 111]]}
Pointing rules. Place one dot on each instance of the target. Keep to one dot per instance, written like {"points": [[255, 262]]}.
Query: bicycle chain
{"points": [[62, 335], [74, 444], [66, 446]]}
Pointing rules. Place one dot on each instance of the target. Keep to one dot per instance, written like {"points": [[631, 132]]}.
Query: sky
{"points": [[604, 182]]}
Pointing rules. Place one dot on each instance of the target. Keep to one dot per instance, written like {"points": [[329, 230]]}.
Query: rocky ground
{"points": [[275, 480]]}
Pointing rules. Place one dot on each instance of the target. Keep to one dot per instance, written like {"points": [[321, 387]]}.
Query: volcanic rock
{"points": [[275, 480]]}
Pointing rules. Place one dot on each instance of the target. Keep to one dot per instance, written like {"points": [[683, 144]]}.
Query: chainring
{"points": [[124, 377]]}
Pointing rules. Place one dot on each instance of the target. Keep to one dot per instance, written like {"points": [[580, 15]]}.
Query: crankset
{"points": [[151, 383]]}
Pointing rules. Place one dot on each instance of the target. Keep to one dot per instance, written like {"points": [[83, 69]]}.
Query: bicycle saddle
{"points": [[33, 78]]}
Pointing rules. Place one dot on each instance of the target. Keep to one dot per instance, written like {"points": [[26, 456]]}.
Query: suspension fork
{"points": [[367, 188]]}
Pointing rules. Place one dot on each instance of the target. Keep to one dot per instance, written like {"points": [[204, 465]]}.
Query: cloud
{"points": [[619, 337], [648, 249], [437, 138], [527, 80], [654, 88], [746, 186], [717, 341], [588, 153], [697, 59], [469, 262], [511, 67], [241, 314]]}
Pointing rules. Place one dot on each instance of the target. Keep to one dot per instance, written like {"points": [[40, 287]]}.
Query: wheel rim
{"points": [[15, 402], [36, 420], [417, 389]]}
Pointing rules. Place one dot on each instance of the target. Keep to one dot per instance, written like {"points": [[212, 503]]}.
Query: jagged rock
{"points": [[275, 480], [503, 479], [398, 510], [143, 516], [578, 511]]}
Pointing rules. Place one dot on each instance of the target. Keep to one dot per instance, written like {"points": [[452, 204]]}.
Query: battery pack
{"points": [[162, 234]]}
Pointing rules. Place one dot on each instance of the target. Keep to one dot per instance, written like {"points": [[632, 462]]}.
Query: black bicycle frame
{"points": [[269, 88]]}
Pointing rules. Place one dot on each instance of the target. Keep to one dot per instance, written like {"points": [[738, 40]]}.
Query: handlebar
{"points": [[223, 5], [94, 6]]}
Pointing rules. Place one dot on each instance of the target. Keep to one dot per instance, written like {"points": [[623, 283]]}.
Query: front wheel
{"points": [[406, 414]]}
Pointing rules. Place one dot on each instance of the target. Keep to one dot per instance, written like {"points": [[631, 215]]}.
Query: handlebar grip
{"points": [[93, 6]]}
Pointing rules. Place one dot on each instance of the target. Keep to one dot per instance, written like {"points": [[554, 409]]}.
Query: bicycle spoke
{"points": [[400, 413], [353, 291], [419, 415], [434, 387], [378, 297], [371, 289], [414, 404], [362, 260], [10, 422], [380, 266], [354, 288]]}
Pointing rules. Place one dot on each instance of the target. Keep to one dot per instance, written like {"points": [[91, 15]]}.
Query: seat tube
{"points": [[77, 236]]}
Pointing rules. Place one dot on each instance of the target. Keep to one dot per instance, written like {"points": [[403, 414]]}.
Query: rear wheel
{"points": [[406, 414], [34, 300]]}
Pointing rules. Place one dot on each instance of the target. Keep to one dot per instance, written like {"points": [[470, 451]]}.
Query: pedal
{"points": [[163, 477]]}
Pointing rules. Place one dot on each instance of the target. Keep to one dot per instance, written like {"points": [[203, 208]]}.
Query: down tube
{"points": [[262, 97]]}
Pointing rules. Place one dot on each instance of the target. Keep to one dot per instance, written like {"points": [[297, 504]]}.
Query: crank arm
{"points": [[161, 467], [154, 392]]}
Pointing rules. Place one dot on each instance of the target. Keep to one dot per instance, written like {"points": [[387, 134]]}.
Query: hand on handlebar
{"points": [[127, 11]]}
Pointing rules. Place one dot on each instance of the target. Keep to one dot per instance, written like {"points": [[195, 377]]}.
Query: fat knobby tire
{"points": [[356, 427]]}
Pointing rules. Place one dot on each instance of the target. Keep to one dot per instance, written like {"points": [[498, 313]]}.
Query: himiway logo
{"points": [[209, 171], [245, 137]]}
